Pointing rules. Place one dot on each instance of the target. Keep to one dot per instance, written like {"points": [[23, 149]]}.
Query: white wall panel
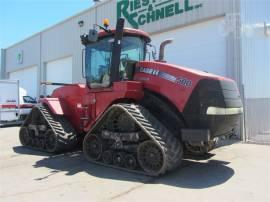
{"points": [[59, 71], [256, 69], [209, 9], [64, 39], [2, 64], [28, 79], [30, 49], [199, 46], [255, 48]]}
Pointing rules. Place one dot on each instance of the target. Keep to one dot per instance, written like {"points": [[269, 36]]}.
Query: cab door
{"points": [[88, 110]]}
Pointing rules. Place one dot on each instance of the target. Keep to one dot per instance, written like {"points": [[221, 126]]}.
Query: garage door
{"points": [[27, 78], [201, 46], [59, 71]]}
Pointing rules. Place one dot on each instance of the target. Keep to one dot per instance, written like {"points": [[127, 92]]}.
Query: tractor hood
{"points": [[177, 70], [184, 86]]}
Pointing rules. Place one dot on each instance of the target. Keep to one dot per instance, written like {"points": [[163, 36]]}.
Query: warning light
{"points": [[106, 23]]}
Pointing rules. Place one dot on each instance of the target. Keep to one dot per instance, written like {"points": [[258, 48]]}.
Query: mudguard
{"points": [[54, 105]]}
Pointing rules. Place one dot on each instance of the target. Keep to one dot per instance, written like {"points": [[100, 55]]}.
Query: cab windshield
{"points": [[99, 55]]}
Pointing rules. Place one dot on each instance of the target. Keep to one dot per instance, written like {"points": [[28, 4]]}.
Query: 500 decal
{"points": [[178, 80], [140, 12]]}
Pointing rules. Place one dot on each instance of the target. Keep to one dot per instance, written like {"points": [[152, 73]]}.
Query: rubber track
{"points": [[157, 132], [66, 135]]}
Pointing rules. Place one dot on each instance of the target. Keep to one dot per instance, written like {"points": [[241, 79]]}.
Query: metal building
{"points": [[225, 37]]}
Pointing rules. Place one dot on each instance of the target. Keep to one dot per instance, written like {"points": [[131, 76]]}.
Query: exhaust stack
{"points": [[162, 48]]}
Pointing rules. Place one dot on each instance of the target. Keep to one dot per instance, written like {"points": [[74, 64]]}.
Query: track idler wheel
{"points": [[92, 147], [150, 157], [50, 141], [119, 159], [24, 135], [107, 157], [130, 162]]}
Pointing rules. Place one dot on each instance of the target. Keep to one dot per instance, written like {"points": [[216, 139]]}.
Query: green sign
{"points": [[141, 12], [20, 57]]}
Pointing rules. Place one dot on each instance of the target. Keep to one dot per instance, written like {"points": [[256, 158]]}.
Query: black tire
{"points": [[119, 159], [51, 141], [130, 162], [92, 147], [170, 145], [151, 157], [107, 157], [24, 136], [150, 130], [65, 136]]}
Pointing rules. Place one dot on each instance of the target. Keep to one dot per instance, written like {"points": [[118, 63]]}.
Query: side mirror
{"points": [[93, 35], [153, 51]]}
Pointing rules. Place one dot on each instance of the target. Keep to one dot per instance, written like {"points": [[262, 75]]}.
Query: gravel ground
{"points": [[234, 172]]}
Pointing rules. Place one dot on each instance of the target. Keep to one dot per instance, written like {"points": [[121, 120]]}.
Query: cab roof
{"points": [[127, 32]]}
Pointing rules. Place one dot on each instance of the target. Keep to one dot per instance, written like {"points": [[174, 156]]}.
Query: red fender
{"points": [[54, 104]]}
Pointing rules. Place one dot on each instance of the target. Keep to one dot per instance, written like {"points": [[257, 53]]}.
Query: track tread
{"points": [[67, 138], [156, 131]]}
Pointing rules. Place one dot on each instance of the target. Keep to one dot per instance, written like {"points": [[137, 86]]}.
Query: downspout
{"points": [[240, 76], [3, 73], [41, 69], [238, 41]]}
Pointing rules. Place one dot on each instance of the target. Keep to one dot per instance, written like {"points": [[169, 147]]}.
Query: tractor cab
{"points": [[111, 55]]}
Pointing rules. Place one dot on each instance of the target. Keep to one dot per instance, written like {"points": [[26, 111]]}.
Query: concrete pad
{"points": [[235, 172]]}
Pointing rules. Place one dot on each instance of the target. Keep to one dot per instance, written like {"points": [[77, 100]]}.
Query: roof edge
{"points": [[59, 23]]}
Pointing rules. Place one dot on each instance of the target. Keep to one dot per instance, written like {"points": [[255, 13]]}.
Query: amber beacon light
{"points": [[106, 23]]}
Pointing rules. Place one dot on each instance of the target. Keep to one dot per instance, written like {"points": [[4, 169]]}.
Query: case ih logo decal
{"points": [[141, 12], [178, 80]]}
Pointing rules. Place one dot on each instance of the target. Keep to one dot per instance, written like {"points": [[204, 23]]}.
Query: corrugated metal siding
{"points": [[198, 46], [256, 69], [64, 40], [258, 120], [232, 31], [256, 48], [31, 54], [27, 79], [3, 64], [210, 9], [107, 10]]}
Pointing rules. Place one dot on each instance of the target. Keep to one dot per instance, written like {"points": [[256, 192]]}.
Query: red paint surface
{"points": [[83, 106], [127, 31], [176, 93]]}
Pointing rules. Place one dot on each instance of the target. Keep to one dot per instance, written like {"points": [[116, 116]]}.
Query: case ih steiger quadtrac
{"points": [[132, 113]]}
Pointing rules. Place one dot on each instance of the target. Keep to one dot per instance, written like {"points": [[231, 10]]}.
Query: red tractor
{"points": [[132, 113]]}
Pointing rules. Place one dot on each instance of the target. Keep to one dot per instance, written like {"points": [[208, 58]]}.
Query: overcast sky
{"points": [[20, 19]]}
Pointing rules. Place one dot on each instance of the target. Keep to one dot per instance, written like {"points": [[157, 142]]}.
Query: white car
{"points": [[26, 105]]}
